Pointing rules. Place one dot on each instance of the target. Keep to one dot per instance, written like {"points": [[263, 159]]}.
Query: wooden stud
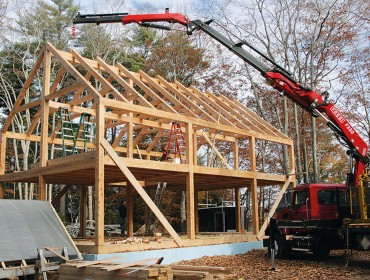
{"points": [[2, 153], [292, 165], [99, 175], [130, 137], [252, 158], [238, 221], [130, 210], [236, 155], [190, 190]]}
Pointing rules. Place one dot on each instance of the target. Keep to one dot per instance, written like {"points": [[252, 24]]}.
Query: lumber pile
{"points": [[109, 270]]}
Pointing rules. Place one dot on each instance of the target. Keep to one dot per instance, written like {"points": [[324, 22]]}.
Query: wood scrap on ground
{"points": [[106, 269]]}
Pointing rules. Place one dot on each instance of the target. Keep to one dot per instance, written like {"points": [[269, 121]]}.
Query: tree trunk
{"points": [[314, 150], [285, 130], [297, 143], [305, 163]]}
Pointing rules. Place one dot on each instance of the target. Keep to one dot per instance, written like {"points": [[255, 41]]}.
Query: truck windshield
{"points": [[327, 197], [300, 198]]}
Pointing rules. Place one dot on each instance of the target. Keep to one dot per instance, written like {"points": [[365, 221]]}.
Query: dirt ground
{"points": [[257, 265]]}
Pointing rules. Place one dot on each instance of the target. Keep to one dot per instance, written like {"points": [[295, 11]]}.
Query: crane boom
{"points": [[276, 76]]}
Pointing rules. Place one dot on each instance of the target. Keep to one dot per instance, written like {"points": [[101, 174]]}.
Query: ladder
{"points": [[73, 134], [85, 133], [158, 202], [66, 132], [176, 144]]}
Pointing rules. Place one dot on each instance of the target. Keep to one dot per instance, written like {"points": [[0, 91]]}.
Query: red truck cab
{"points": [[313, 202]]}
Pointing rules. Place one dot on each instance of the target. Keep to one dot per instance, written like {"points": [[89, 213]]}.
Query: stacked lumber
{"points": [[189, 272], [108, 270], [98, 271]]}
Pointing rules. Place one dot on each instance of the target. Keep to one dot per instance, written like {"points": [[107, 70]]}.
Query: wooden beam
{"points": [[255, 214], [185, 119], [205, 104], [2, 152], [115, 74], [236, 155], [89, 263], [44, 150], [145, 88], [130, 210], [190, 190], [267, 127], [73, 71], [130, 137], [238, 221], [225, 114], [108, 86], [130, 177], [124, 265], [276, 203], [217, 152], [292, 165], [99, 174], [186, 100], [253, 168], [61, 193]]}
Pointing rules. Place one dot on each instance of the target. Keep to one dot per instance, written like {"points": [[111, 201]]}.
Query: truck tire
{"points": [[321, 249], [282, 248]]}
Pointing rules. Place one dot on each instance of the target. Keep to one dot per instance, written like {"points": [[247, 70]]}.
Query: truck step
{"points": [[302, 237], [301, 249]]}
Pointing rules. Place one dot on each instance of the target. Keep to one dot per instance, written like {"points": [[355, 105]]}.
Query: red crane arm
{"points": [[166, 17]]}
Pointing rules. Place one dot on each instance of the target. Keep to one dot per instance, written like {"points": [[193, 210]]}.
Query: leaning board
{"points": [[28, 225]]}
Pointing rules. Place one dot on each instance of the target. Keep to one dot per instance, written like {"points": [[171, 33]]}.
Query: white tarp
{"points": [[28, 225]]}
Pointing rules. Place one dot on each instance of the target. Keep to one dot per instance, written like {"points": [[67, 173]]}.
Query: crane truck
{"points": [[318, 217]]}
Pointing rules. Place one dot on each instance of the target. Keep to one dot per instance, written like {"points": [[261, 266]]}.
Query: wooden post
{"points": [[196, 213], [130, 137], [190, 193], [238, 223], [236, 155], [44, 123], [195, 148], [130, 210], [83, 211], [99, 174], [292, 165], [252, 155]]}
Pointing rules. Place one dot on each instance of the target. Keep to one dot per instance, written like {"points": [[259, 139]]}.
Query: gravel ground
{"points": [[257, 265]]}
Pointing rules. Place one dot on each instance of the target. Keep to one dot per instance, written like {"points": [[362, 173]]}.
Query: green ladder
{"points": [[72, 134], [66, 132], [85, 133]]}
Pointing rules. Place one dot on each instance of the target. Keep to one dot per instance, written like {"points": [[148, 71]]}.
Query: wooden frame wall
{"points": [[140, 107]]}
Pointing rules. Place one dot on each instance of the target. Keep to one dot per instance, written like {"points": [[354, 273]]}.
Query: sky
{"points": [[159, 5]]}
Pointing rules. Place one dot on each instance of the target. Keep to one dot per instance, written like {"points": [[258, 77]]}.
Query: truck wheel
{"points": [[282, 248], [321, 250]]}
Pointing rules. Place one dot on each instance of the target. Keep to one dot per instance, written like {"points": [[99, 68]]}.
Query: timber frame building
{"points": [[142, 109]]}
